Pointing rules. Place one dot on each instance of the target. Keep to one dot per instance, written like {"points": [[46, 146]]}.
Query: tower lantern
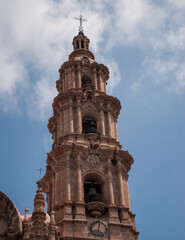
{"points": [[86, 180]]}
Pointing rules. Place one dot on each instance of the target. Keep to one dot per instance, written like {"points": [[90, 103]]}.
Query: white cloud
{"points": [[40, 102], [47, 143], [179, 84], [162, 67], [115, 76], [36, 38], [135, 22], [13, 74]]}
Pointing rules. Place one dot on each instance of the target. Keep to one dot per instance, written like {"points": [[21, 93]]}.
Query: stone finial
{"points": [[52, 219], [52, 227], [39, 201], [26, 210], [26, 235]]}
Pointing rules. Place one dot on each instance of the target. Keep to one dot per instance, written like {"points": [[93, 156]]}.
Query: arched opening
{"points": [[77, 44], [87, 82], [93, 195], [89, 125], [82, 43], [92, 190]]}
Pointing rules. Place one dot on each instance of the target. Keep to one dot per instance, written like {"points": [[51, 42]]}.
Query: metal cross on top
{"points": [[81, 19], [40, 170]]}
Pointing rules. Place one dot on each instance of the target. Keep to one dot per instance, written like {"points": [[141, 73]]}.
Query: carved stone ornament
{"points": [[10, 223], [93, 160], [39, 229], [98, 228]]}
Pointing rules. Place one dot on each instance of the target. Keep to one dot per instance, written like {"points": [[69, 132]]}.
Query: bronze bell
{"points": [[92, 191]]}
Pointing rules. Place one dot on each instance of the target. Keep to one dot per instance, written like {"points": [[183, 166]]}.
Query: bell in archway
{"points": [[92, 191]]}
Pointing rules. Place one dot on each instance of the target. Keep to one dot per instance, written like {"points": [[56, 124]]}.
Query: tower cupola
{"points": [[80, 42]]}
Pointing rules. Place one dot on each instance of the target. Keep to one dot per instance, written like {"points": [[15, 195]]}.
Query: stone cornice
{"points": [[67, 64], [125, 158], [101, 101], [81, 52], [102, 67], [52, 124]]}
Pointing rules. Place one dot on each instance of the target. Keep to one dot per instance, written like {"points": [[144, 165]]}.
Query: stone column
{"points": [[68, 181], [116, 131], [65, 119], [126, 193], [58, 126], [85, 44], [79, 76], [61, 121], [109, 121], [65, 81], [101, 81], [95, 79], [102, 120], [79, 180], [55, 189], [73, 76], [79, 117], [110, 187], [120, 177], [69, 78], [71, 127], [52, 227]]}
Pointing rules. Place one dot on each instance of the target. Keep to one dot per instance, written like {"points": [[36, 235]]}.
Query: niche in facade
{"points": [[87, 82], [89, 125]]}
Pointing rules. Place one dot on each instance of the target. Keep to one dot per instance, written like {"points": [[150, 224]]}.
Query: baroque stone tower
{"points": [[86, 179]]}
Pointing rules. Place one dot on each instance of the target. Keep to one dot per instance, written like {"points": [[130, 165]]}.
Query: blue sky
{"points": [[142, 42]]}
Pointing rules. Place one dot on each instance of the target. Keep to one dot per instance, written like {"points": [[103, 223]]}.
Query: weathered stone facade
{"points": [[86, 179]]}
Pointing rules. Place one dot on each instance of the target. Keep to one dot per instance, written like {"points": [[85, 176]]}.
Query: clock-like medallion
{"points": [[98, 228]]}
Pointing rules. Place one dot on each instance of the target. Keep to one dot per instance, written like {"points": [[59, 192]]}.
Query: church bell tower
{"points": [[86, 179]]}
